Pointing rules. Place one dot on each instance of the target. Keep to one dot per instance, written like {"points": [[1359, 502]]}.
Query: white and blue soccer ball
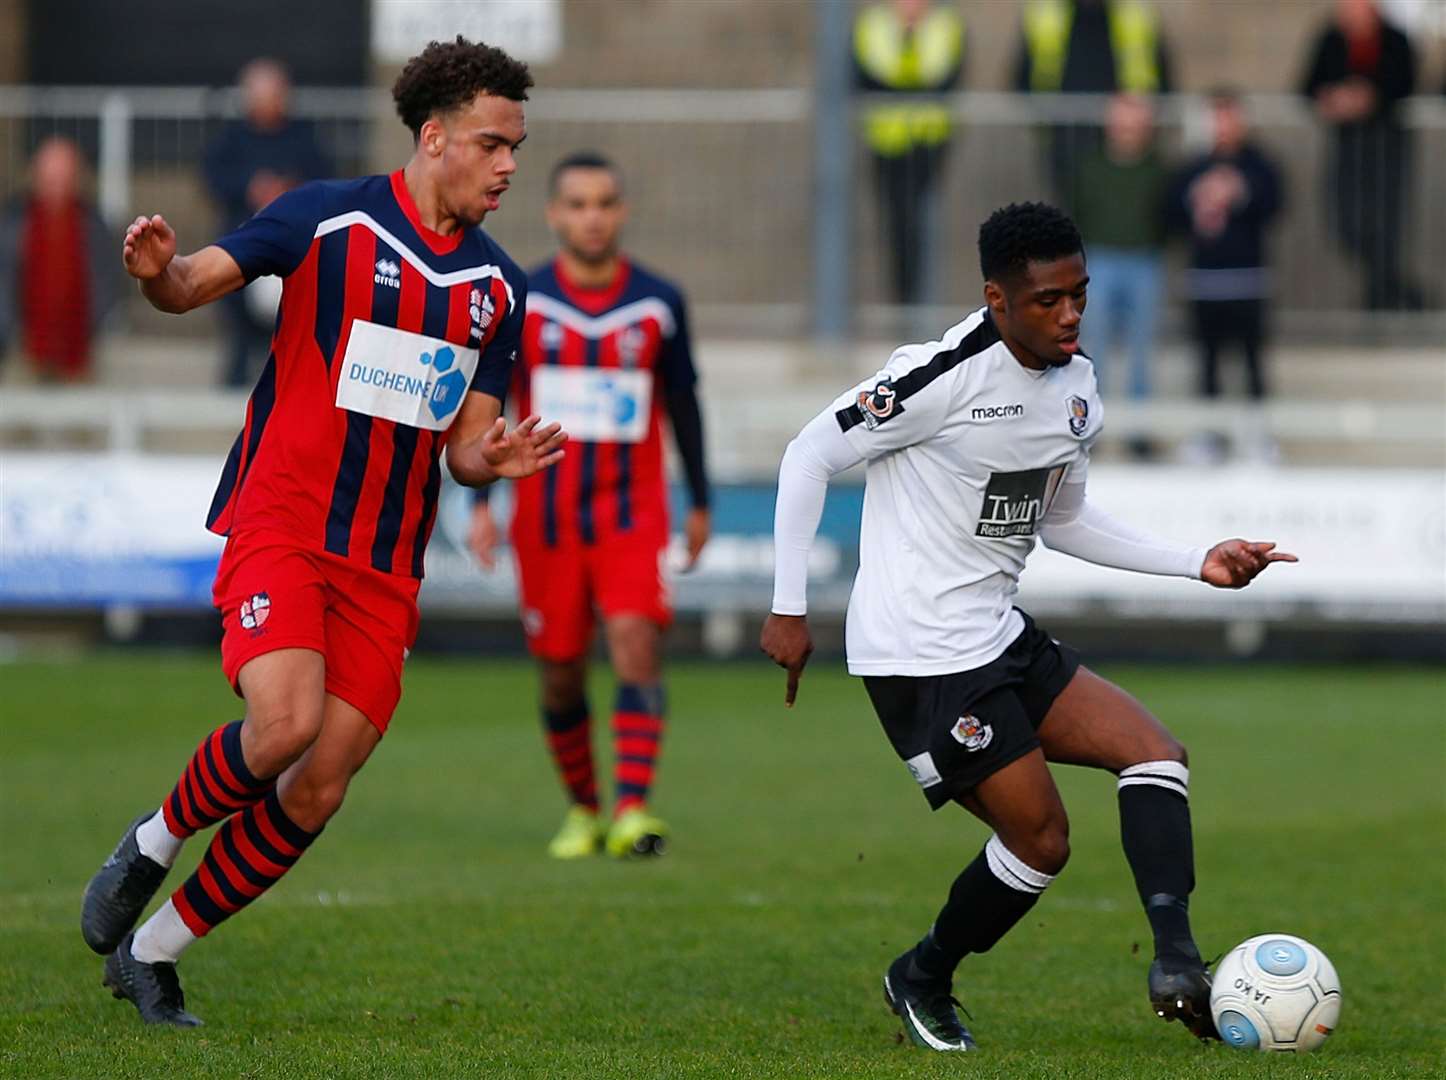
{"points": [[1275, 992]]}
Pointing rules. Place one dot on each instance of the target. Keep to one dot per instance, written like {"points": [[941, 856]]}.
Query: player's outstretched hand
{"points": [[788, 644], [482, 536], [697, 527], [149, 247], [524, 450], [1234, 564]]}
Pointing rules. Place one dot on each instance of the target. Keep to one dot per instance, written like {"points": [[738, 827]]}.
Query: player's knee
{"points": [[283, 731], [311, 803], [1169, 748], [564, 685], [1051, 849], [1044, 846]]}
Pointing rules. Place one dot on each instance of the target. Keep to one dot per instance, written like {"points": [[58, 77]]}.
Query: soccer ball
{"points": [[1275, 992]]}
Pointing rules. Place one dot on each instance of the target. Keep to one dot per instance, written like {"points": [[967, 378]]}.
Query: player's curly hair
{"points": [[1021, 233], [448, 75]]}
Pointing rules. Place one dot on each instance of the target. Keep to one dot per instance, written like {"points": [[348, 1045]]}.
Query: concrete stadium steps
{"points": [[1331, 405]]}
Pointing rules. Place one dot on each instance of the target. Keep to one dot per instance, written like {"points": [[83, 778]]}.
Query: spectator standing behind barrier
{"points": [[1087, 47], [1121, 215], [1360, 70], [907, 48], [256, 158], [1224, 200], [57, 279]]}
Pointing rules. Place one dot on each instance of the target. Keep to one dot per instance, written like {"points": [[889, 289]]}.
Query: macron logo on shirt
{"points": [[996, 412]]}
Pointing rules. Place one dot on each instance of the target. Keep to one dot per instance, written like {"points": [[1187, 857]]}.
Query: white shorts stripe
{"points": [[1014, 871]]}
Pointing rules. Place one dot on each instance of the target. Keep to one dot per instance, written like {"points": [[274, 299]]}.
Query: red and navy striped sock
{"points": [[569, 738], [247, 856], [215, 784], [637, 733]]}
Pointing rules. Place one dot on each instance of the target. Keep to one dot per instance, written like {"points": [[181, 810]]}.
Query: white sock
{"points": [[156, 841], [163, 938]]}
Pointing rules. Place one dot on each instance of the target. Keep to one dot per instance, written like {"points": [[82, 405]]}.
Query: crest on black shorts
{"points": [[1079, 414], [972, 733]]}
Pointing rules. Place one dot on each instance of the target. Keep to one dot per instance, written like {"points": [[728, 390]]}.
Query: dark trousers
{"points": [[1367, 191], [1221, 324], [905, 183], [247, 341]]}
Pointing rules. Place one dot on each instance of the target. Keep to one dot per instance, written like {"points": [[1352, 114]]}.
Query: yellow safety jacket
{"points": [[1134, 34], [920, 61]]}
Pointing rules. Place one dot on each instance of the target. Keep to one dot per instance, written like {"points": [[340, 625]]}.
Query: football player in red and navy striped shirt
{"points": [[605, 351], [400, 320]]}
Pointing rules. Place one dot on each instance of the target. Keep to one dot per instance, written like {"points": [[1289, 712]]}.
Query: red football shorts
{"points": [[275, 595], [563, 586]]}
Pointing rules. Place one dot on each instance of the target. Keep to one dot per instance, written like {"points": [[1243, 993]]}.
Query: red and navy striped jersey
{"points": [[601, 362], [384, 327]]}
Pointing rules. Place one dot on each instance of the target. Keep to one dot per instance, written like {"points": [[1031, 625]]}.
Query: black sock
{"points": [[1155, 831], [992, 894]]}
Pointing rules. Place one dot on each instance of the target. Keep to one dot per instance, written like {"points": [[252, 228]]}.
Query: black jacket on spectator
{"points": [[1242, 242], [1370, 158], [241, 151]]}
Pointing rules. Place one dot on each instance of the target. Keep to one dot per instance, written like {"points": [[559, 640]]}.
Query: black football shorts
{"points": [[954, 730]]}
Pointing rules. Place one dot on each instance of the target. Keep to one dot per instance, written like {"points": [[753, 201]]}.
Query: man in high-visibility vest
{"points": [[1088, 47], [912, 49]]}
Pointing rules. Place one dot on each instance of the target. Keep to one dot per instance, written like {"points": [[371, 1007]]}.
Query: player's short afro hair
{"points": [[1021, 233], [448, 75]]}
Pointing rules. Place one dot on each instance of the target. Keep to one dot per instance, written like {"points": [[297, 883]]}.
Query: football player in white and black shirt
{"points": [[976, 444]]}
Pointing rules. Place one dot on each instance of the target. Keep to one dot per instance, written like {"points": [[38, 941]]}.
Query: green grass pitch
{"points": [[426, 934]]}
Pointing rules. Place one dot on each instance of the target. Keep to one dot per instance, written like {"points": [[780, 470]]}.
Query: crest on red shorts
{"points": [[255, 612]]}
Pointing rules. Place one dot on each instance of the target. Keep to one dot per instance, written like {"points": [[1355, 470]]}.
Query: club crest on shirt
{"points": [[1079, 414], [630, 346], [878, 404], [482, 308], [254, 613], [972, 734]]}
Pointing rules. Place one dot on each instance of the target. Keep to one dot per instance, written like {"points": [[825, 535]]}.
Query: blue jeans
{"points": [[1126, 288]]}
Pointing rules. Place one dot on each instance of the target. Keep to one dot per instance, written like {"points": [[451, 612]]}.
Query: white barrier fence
{"points": [[92, 531]]}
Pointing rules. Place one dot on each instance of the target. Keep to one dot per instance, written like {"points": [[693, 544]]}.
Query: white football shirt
{"points": [[966, 450]]}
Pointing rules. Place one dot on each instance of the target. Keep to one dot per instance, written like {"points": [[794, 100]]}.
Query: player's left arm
{"points": [[481, 448], [1076, 527], [680, 394]]}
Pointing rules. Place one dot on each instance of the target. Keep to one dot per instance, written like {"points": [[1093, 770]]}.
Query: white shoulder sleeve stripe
{"points": [[442, 281]]}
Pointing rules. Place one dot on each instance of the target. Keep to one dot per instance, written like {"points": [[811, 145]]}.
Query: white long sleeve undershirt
{"points": [[815, 457], [1076, 527], [1072, 525]]}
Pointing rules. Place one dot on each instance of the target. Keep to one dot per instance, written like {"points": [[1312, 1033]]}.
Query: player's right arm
{"points": [[273, 241], [887, 412], [176, 283]]}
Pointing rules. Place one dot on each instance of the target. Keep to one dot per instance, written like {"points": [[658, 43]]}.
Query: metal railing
{"points": [[726, 187]]}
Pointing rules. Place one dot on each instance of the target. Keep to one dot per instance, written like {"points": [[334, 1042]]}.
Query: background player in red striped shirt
{"points": [[605, 351], [398, 328]]}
